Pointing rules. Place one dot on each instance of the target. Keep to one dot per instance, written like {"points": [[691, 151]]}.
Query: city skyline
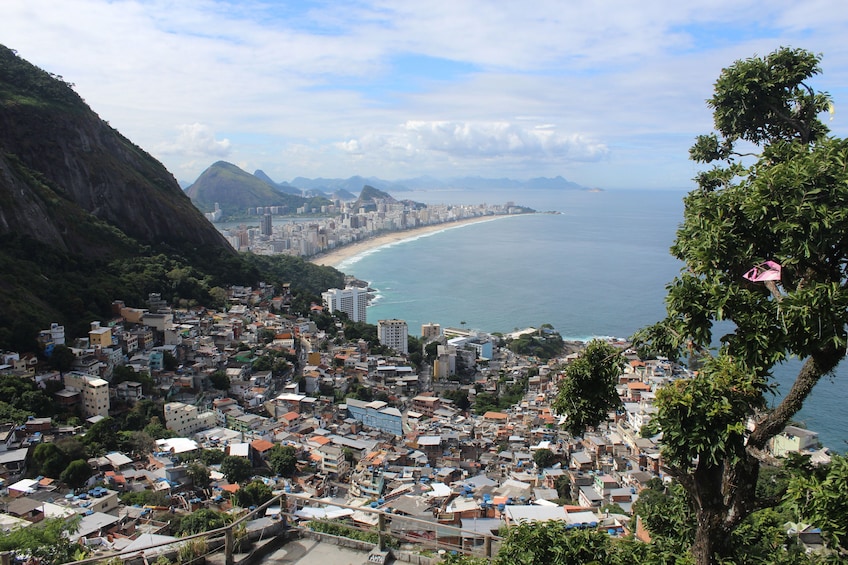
{"points": [[398, 90]]}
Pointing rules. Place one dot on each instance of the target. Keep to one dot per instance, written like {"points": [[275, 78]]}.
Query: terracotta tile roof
{"points": [[261, 445]]}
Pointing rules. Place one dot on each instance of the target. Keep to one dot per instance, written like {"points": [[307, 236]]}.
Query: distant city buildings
{"points": [[351, 300]]}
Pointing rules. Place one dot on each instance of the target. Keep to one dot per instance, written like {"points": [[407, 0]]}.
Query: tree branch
{"points": [[815, 367]]}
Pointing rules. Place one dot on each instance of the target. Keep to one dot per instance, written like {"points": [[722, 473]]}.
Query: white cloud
{"points": [[285, 81], [195, 140], [487, 140]]}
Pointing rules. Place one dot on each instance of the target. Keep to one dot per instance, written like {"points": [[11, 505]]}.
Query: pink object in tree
{"points": [[768, 271]]}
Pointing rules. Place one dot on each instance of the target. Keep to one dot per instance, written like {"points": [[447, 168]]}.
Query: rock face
{"points": [[62, 168]]}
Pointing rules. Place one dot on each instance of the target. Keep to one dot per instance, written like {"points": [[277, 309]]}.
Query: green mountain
{"points": [[87, 217], [235, 190]]}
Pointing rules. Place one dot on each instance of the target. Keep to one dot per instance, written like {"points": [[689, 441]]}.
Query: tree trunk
{"points": [[710, 511], [709, 537]]}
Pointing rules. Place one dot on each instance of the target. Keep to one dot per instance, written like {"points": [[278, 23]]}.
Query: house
{"points": [[793, 440]]}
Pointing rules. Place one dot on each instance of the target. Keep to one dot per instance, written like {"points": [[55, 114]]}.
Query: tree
{"points": [[76, 473], [255, 493], [62, 358], [544, 458], [283, 460], [200, 521], [49, 460], [236, 469], [587, 392], [220, 380], [199, 474], [169, 362], [821, 498], [46, 541], [763, 246]]}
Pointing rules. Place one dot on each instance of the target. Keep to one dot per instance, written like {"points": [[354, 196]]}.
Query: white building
{"points": [[352, 301], [185, 419], [94, 393], [394, 334]]}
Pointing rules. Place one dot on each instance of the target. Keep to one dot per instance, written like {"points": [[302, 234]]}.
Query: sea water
{"points": [[596, 266]]}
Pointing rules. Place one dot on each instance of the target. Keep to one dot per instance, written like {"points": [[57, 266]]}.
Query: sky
{"points": [[607, 94]]}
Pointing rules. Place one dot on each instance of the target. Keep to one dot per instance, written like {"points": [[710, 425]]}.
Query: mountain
{"points": [[88, 217], [325, 186], [235, 190], [64, 170], [353, 184], [283, 187]]}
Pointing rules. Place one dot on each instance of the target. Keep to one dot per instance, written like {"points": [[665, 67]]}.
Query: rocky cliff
{"points": [[67, 177]]}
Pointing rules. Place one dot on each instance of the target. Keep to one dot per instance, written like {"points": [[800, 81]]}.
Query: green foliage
{"points": [[144, 498], [236, 469], [666, 513], [44, 541], [254, 493], [786, 204], [76, 474], [283, 460], [459, 397], [197, 522], [199, 474], [102, 437], [821, 498], [341, 530], [220, 380], [544, 458], [157, 430], [22, 398], [138, 444], [544, 344], [705, 417], [551, 543], [587, 393]]}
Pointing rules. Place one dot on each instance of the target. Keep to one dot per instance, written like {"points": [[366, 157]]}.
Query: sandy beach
{"points": [[337, 256]]}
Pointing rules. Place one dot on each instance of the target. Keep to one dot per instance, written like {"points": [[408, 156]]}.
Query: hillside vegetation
{"points": [[87, 217]]}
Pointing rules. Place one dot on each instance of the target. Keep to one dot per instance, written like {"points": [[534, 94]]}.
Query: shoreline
{"points": [[338, 255]]}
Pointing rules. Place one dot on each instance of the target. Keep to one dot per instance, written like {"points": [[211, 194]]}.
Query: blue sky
{"points": [[608, 94]]}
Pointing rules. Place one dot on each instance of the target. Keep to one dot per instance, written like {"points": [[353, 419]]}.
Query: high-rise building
{"points": [[394, 334], [266, 229], [431, 331], [351, 300]]}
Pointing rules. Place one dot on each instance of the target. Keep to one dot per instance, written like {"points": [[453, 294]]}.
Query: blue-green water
{"points": [[598, 268]]}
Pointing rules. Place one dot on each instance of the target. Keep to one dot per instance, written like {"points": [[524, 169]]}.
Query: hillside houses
{"points": [[361, 426]]}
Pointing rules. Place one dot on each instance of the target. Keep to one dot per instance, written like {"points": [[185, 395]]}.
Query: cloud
{"points": [[471, 140], [417, 88], [196, 140]]}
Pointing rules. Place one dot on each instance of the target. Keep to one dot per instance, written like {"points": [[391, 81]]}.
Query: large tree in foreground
{"points": [[765, 246]]}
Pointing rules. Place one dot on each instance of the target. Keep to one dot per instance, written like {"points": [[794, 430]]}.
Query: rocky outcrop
{"points": [[62, 169]]}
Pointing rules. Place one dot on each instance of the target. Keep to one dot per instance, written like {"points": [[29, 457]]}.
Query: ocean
{"points": [[595, 266]]}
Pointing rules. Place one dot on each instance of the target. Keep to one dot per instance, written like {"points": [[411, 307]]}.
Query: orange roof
{"points": [[291, 416], [230, 487], [638, 385], [495, 416], [637, 363], [320, 440], [261, 445]]}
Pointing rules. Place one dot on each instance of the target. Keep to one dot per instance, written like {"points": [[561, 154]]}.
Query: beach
{"points": [[341, 254]]}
